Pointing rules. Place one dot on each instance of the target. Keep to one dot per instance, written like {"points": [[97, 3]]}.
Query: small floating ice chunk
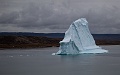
{"points": [[21, 55], [28, 55], [53, 53], [11, 56]]}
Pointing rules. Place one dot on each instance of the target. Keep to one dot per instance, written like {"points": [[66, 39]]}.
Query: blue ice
{"points": [[78, 40]]}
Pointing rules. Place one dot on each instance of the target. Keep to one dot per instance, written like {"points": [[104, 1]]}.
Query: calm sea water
{"points": [[40, 62]]}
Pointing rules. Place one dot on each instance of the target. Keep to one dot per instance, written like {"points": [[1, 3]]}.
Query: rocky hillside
{"points": [[27, 41], [37, 41]]}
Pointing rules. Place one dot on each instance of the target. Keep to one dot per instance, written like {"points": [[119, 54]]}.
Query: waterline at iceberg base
{"points": [[78, 40]]}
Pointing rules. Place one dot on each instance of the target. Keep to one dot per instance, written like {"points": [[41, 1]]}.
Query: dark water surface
{"points": [[40, 62]]}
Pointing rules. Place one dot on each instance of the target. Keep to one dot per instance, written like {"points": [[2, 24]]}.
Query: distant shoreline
{"points": [[7, 42]]}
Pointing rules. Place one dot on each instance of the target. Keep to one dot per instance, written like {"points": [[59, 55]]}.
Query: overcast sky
{"points": [[55, 16]]}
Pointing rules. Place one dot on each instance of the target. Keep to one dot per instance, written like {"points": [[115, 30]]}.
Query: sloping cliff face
{"points": [[27, 42]]}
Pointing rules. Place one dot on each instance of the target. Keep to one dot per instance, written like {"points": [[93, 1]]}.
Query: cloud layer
{"points": [[56, 15]]}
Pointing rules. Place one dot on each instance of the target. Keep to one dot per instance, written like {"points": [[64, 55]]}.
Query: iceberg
{"points": [[78, 40]]}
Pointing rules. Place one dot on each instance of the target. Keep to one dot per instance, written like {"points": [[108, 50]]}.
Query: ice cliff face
{"points": [[78, 40]]}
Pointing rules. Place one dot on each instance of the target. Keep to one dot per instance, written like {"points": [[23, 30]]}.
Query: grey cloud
{"points": [[56, 16], [8, 17]]}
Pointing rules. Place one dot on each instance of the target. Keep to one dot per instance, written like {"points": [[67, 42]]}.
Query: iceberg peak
{"points": [[78, 40]]}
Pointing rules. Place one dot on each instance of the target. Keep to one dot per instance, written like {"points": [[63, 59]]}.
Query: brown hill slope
{"points": [[27, 42], [34, 41]]}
